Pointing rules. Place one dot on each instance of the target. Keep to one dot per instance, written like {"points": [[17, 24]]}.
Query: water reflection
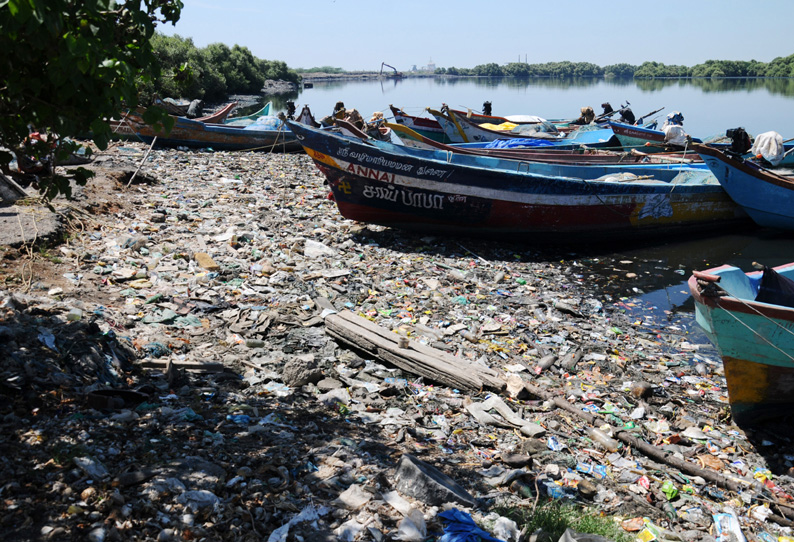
{"points": [[778, 86], [650, 283]]}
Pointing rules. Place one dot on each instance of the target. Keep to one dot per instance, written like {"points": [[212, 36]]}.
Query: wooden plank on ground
{"points": [[409, 355]]}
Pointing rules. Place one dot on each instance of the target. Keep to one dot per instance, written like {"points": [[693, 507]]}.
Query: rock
{"points": [[91, 467], [586, 489], [517, 461], [301, 371], [205, 260], [533, 446], [427, 484], [198, 500]]}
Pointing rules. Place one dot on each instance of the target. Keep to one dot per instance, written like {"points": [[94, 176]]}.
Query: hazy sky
{"points": [[360, 34]]}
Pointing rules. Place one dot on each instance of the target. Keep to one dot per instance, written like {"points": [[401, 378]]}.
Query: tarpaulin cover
{"points": [[461, 528], [504, 127], [268, 122], [775, 289], [517, 143]]}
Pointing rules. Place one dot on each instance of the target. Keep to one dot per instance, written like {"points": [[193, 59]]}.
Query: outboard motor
{"points": [[290, 110], [740, 141], [627, 115], [486, 108]]}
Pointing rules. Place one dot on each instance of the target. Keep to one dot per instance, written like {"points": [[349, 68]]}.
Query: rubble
{"points": [[219, 355]]}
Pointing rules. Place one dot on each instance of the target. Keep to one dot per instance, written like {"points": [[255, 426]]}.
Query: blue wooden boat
{"points": [[265, 134], [644, 138], [429, 128], [749, 318], [651, 140], [382, 183], [766, 195], [247, 120], [470, 132], [547, 153]]}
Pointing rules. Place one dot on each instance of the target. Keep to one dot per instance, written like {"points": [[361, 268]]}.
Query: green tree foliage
{"points": [[66, 65], [619, 70], [657, 69], [321, 69], [488, 70], [210, 73], [182, 69], [781, 67], [518, 69]]}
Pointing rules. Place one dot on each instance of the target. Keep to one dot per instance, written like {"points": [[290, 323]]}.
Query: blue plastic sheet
{"points": [[267, 123], [459, 527], [518, 142]]}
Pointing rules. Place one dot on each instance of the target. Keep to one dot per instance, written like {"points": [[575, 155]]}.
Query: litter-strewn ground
{"points": [[168, 376]]}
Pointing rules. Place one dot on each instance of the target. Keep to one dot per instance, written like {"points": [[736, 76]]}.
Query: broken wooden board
{"points": [[409, 355]]}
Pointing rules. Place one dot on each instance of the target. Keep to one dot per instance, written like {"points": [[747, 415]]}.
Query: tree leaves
{"points": [[68, 65]]}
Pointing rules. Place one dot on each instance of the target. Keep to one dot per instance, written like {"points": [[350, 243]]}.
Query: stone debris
{"points": [[222, 356]]}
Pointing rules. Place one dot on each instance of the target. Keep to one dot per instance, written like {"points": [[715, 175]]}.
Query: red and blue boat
{"points": [[382, 183]]}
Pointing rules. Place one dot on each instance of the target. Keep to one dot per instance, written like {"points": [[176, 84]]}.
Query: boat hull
{"points": [[756, 343], [429, 128], [373, 185], [766, 196], [193, 134]]}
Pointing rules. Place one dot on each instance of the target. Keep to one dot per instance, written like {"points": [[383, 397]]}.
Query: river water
{"points": [[648, 281]]}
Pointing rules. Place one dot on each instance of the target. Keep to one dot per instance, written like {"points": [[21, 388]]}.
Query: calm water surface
{"points": [[658, 295], [709, 106]]}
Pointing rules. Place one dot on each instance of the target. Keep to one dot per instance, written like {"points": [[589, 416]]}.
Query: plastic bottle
{"points": [[545, 363], [603, 439]]}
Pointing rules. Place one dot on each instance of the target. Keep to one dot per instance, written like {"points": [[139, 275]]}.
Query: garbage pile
{"points": [[224, 357]]}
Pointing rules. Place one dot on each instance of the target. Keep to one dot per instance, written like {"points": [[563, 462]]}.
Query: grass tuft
{"points": [[555, 517]]}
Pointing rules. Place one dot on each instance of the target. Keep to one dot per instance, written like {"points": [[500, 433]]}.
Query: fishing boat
{"points": [[749, 318], [429, 128], [592, 136], [645, 137], [460, 127], [246, 120], [765, 194], [266, 134], [178, 108], [577, 154], [306, 117], [382, 183], [123, 129]]}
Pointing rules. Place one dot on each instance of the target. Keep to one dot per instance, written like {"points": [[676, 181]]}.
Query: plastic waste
{"points": [[603, 439], [460, 527]]}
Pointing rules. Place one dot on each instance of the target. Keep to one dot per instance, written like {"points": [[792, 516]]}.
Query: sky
{"points": [[361, 34]]}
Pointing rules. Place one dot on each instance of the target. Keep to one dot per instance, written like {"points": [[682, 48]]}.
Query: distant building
{"points": [[431, 67]]}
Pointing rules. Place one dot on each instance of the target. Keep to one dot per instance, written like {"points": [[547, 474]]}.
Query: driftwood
{"points": [[411, 356], [732, 483]]}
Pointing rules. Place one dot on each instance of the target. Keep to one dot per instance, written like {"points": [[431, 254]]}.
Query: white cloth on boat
{"points": [[674, 134], [770, 146]]}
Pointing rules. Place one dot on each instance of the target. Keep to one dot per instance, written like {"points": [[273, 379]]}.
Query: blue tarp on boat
{"points": [[270, 122], [520, 142]]}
